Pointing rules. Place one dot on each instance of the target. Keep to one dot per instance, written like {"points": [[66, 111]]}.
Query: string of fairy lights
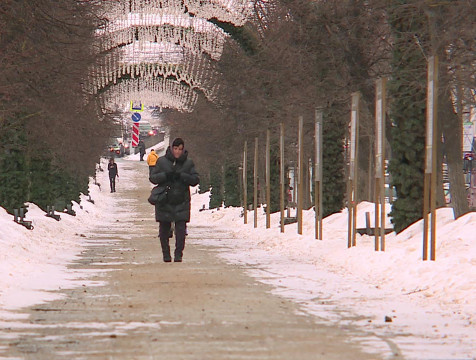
{"points": [[161, 51], [163, 93]]}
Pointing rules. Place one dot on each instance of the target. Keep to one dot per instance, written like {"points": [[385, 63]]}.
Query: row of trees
{"points": [[301, 55], [294, 57], [51, 132]]}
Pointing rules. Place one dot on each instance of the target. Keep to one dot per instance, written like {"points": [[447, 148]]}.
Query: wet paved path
{"points": [[142, 308]]}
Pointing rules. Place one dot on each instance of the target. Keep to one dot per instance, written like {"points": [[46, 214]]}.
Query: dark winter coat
{"points": [[141, 146], [177, 205], [112, 167]]}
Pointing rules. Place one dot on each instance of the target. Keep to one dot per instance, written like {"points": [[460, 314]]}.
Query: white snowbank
{"points": [[33, 262], [433, 300]]}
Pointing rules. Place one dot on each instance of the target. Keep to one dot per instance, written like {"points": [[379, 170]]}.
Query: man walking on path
{"points": [[112, 168], [175, 172], [141, 146], [152, 160]]}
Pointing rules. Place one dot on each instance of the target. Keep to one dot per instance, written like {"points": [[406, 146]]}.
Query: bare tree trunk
{"points": [[451, 123], [452, 132], [452, 129]]}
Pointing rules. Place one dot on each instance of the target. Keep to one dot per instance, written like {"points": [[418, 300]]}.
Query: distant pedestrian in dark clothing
{"points": [[112, 168], [176, 172], [141, 146]]}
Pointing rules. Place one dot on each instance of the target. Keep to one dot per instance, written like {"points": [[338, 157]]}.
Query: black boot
{"points": [[167, 257], [179, 240], [166, 250]]}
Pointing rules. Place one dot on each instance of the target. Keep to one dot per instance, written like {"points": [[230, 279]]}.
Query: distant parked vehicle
{"points": [[116, 150], [118, 147], [127, 149], [145, 129]]}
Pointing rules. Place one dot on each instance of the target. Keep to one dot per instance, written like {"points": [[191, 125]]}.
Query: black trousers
{"points": [[164, 231], [112, 182]]}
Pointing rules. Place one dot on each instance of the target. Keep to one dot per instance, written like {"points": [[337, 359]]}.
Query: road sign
{"points": [[137, 106], [136, 117], [135, 134]]}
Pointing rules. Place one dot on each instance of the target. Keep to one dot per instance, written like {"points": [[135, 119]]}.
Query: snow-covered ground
{"points": [[432, 305], [33, 262]]}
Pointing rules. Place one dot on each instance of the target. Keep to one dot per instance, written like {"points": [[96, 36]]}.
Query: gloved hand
{"points": [[172, 176], [185, 177]]}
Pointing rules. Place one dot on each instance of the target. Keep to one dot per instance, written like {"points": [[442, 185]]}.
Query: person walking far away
{"points": [[112, 168], [176, 172], [141, 146], [152, 159]]}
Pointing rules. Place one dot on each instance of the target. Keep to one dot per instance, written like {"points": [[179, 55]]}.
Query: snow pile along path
{"points": [[429, 307], [34, 262]]}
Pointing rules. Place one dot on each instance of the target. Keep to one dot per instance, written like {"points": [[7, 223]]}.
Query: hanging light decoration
{"points": [[159, 92], [210, 40], [233, 11], [195, 70], [161, 51]]}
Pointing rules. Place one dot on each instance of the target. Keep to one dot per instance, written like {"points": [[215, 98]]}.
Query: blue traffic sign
{"points": [[136, 117]]}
